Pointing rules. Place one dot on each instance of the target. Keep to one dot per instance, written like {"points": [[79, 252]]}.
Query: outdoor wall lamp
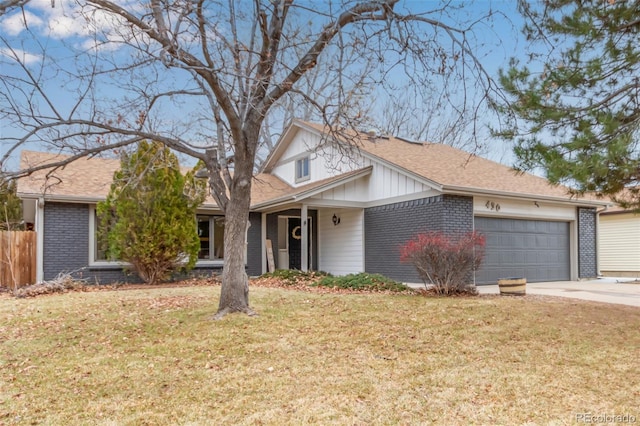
{"points": [[335, 219]]}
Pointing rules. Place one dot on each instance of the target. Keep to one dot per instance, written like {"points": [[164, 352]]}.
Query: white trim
{"points": [[116, 263], [362, 241], [304, 241], [78, 199], [92, 243], [573, 250], [205, 262], [301, 160], [39, 240], [451, 190], [211, 219], [303, 195], [263, 242]]}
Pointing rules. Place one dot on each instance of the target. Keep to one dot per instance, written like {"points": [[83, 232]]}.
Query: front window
{"points": [[211, 234], [302, 169], [98, 253]]}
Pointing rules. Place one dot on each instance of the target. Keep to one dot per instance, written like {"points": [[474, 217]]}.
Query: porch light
{"points": [[335, 219]]}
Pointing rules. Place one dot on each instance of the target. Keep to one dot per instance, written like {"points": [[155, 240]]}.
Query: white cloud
{"points": [[85, 27], [62, 26], [22, 56], [16, 23]]}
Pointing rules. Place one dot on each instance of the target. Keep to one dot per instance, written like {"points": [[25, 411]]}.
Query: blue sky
{"points": [[61, 33]]}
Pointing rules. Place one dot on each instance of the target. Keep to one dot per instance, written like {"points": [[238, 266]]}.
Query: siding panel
{"points": [[620, 242], [341, 249]]}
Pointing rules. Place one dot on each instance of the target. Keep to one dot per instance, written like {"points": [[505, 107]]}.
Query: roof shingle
{"points": [[452, 168]]}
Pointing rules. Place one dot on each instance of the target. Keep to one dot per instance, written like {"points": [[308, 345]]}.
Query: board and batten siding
{"points": [[355, 190], [384, 181], [341, 249], [323, 163], [619, 241]]}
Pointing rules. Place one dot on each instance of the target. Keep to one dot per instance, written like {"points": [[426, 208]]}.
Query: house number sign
{"points": [[492, 206]]}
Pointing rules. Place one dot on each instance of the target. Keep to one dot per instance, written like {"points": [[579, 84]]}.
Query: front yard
{"points": [[152, 356]]}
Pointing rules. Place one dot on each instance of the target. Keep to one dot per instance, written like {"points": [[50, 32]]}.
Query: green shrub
{"points": [[148, 218], [362, 281]]}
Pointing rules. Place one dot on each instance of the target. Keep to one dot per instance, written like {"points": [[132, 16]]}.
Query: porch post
{"points": [[263, 242], [39, 240], [304, 238]]}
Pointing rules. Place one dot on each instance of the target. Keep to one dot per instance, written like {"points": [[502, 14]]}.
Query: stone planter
{"points": [[512, 286]]}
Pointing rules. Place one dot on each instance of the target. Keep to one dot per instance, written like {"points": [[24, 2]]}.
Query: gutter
{"points": [[455, 190], [307, 193], [79, 199]]}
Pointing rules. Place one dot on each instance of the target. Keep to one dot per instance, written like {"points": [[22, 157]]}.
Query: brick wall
{"points": [[66, 248], [587, 246], [66, 238], [254, 245], [389, 226]]}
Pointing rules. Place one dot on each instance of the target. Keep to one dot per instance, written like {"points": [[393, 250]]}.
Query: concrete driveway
{"points": [[622, 291]]}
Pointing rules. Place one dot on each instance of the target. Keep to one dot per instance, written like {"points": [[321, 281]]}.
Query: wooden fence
{"points": [[17, 258]]}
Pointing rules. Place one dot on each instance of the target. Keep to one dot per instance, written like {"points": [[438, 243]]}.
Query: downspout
{"points": [[40, 240]]}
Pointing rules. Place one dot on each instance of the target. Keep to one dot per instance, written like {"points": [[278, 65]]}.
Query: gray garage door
{"points": [[534, 249]]}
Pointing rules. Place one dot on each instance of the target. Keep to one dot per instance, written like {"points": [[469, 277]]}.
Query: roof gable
{"points": [[452, 169], [285, 140]]}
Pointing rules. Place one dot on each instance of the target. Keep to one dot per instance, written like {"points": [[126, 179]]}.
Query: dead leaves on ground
{"points": [[266, 282]]}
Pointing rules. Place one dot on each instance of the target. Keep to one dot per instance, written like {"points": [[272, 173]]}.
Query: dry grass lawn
{"points": [[153, 357]]}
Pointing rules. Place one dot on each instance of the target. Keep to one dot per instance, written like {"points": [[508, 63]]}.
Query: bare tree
{"points": [[225, 69], [7, 6]]}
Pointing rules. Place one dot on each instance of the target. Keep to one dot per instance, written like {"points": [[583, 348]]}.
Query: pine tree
{"points": [[149, 216], [576, 109], [10, 206]]}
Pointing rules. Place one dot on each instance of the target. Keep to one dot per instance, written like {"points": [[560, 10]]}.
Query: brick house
{"points": [[343, 204]]}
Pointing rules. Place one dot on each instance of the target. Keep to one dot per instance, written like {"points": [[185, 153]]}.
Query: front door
{"points": [[295, 248], [294, 237]]}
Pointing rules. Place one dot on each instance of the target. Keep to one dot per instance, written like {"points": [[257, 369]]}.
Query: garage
{"points": [[537, 250]]}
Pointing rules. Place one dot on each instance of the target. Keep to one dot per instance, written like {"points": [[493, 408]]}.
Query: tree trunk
{"points": [[234, 295]]}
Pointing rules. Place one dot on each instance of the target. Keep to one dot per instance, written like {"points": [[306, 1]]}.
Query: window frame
{"points": [[93, 241], [212, 217], [299, 168]]}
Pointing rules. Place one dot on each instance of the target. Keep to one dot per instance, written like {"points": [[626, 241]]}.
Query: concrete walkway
{"points": [[622, 291]]}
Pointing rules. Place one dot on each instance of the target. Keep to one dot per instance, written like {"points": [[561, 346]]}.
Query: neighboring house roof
{"points": [[449, 169], [627, 195]]}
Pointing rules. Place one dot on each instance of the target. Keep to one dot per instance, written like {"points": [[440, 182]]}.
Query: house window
{"points": [[97, 242], [211, 234], [302, 169]]}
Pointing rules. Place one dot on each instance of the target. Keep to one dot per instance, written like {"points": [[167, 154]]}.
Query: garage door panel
{"points": [[535, 249]]}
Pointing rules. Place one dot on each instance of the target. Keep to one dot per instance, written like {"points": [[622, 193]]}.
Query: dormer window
{"points": [[302, 169]]}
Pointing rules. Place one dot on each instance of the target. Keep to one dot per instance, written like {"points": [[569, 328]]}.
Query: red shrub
{"points": [[446, 262]]}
